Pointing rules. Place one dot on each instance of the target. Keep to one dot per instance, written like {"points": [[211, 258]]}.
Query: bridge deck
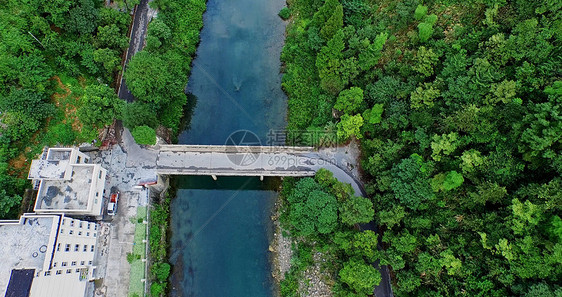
{"points": [[235, 161]]}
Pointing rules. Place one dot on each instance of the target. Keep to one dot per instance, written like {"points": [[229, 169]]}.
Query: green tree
{"points": [[349, 100], [317, 214], [425, 61], [8, 203], [444, 144], [359, 276], [100, 105], [370, 56], [285, 13], [410, 182], [110, 36], [424, 96], [156, 289], [83, 18], [358, 244], [356, 210], [23, 112], [333, 24], [373, 115], [161, 271], [421, 12], [153, 77], [447, 182], [330, 65], [144, 135], [139, 114], [350, 126], [108, 58]]}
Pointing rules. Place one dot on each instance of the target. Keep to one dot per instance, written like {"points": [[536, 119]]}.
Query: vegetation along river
{"points": [[221, 229]]}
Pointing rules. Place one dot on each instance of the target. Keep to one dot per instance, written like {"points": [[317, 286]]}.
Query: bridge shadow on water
{"points": [[227, 183]]}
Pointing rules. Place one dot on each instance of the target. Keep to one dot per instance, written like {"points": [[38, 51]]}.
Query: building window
{"points": [[100, 175], [64, 264], [58, 247], [92, 249], [61, 231], [63, 221], [97, 194], [78, 159], [95, 227], [77, 270], [73, 263], [72, 223], [80, 225], [47, 273], [76, 247], [87, 233], [95, 234], [70, 232], [59, 272], [85, 248], [89, 262], [89, 226], [54, 264], [81, 262], [79, 233], [69, 271], [67, 248]]}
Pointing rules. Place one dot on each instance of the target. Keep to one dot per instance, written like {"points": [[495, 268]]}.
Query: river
{"points": [[221, 229]]}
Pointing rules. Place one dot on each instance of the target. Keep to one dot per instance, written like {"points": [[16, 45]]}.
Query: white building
{"points": [[47, 255], [67, 183]]}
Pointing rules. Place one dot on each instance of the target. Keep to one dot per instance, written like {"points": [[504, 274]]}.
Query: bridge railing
{"points": [[235, 149]]}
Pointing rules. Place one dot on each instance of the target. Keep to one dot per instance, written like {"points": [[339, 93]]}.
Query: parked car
{"points": [[112, 205]]}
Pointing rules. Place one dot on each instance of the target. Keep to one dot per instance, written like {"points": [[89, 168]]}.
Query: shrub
{"points": [[285, 13], [161, 271], [156, 289], [420, 12], [132, 257], [144, 135]]}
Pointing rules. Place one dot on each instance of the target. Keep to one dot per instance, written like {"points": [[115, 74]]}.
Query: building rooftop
{"points": [[71, 194], [48, 169], [57, 154], [24, 245], [64, 285]]}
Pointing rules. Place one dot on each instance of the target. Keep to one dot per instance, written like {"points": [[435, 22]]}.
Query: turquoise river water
{"points": [[221, 229]]}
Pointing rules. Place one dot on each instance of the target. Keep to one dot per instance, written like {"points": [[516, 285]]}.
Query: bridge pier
{"points": [[214, 177]]}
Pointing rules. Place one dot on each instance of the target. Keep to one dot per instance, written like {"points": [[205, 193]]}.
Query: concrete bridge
{"points": [[220, 160]]}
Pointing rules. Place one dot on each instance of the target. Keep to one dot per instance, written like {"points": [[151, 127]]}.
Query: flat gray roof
{"points": [[45, 169], [59, 154], [24, 246], [69, 194]]}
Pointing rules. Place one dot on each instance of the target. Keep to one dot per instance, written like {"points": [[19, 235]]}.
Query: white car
{"points": [[112, 205]]}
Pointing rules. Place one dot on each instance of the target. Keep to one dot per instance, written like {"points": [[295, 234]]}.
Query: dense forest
{"points": [[58, 63], [157, 75], [457, 108]]}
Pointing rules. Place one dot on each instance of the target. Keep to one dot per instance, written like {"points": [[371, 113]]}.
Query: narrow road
{"points": [[138, 32]]}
